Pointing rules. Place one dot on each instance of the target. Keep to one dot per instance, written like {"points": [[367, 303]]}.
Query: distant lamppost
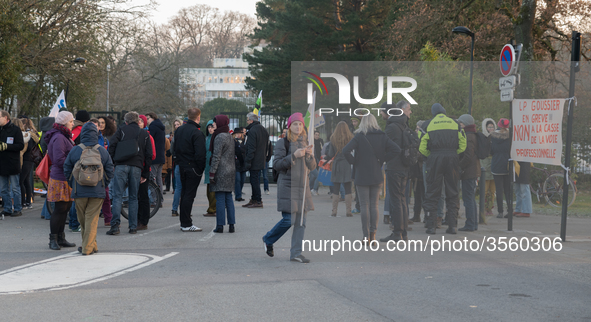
{"points": [[466, 31], [108, 71], [78, 60]]}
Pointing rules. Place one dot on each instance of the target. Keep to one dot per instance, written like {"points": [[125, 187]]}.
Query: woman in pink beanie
{"points": [[293, 159], [59, 143]]}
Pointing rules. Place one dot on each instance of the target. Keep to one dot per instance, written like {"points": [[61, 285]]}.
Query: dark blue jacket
{"points": [[158, 132], [89, 137]]}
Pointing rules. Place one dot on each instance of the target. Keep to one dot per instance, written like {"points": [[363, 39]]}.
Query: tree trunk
{"points": [[523, 25]]}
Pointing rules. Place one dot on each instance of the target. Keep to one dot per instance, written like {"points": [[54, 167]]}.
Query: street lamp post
{"points": [[108, 70], [466, 31], [78, 60]]}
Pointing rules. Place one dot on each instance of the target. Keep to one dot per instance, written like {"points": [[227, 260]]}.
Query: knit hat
{"points": [[503, 124], [144, 119], [438, 109], [466, 119], [82, 116], [63, 117], [295, 117]]}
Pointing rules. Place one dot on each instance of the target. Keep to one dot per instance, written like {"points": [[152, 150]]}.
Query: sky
{"points": [[168, 8]]}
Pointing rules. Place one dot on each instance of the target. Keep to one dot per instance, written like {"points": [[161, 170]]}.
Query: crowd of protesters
{"points": [[437, 158]]}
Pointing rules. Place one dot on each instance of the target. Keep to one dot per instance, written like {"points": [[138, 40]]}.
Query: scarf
{"points": [[221, 122], [63, 129], [470, 128]]}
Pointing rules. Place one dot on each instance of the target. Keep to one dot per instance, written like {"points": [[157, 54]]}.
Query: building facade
{"points": [[226, 79]]}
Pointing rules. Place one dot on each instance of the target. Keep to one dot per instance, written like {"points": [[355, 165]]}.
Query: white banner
{"points": [[537, 130], [59, 103], [318, 119]]}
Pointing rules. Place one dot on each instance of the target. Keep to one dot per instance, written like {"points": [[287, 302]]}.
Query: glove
{"points": [[168, 154], [212, 177], [3, 146], [169, 170]]}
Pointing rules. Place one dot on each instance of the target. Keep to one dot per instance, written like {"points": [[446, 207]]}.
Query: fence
{"points": [[582, 155], [274, 123]]}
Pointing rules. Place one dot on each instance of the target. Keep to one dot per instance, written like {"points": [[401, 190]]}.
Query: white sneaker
{"points": [[314, 192], [192, 228], [266, 191]]}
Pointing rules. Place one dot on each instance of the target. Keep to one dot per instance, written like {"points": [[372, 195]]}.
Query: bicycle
{"points": [[154, 193], [552, 189]]}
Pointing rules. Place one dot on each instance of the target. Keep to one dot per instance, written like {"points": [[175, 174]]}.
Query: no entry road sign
{"points": [[507, 61]]}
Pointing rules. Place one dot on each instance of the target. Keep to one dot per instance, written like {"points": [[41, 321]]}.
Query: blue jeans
{"points": [[523, 198], [282, 227], [314, 179], [73, 222], [265, 174], [468, 193], [130, 176], [44, 212], [177, 189], [255, 184], [224, 202], [9, 189], [239, 183]]}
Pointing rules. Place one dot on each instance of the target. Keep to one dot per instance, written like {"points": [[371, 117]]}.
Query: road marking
{"points": [[72, 270], [153, 231], [208, 236]]}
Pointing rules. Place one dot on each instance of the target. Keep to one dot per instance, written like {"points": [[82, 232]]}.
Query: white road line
{"points": [[36, 263], [208, 236], [72, 270], [153, 231]]}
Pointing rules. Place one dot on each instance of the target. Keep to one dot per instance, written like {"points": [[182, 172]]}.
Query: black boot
{"points": [[218, 229], [231, 229], [53, 242], [452, 221], [431, 223], [61, 240]]}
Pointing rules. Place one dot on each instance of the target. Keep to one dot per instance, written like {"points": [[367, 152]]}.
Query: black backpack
{"points": [[483, 148], [275, 172], [410, 146]]}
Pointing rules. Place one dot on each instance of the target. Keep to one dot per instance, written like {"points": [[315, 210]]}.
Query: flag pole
{"points": [[310, 126]]}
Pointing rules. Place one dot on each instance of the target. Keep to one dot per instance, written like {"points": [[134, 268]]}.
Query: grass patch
{"points": [[581, 207]]}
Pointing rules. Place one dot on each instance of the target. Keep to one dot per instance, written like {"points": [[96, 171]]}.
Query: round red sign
{"points": [[507, 60]]}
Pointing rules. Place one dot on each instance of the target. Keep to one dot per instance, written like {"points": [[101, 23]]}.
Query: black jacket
{"points": [[189, 147], [500, 148], [143, 159], [240, 152], [371, 151], [524, 173], [395, 126], [10, 159], [318, 149], [45, 124], [157, 130], [257, 140]]}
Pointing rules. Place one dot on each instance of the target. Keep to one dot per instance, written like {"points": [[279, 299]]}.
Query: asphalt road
{"points": [[165, 274]]}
